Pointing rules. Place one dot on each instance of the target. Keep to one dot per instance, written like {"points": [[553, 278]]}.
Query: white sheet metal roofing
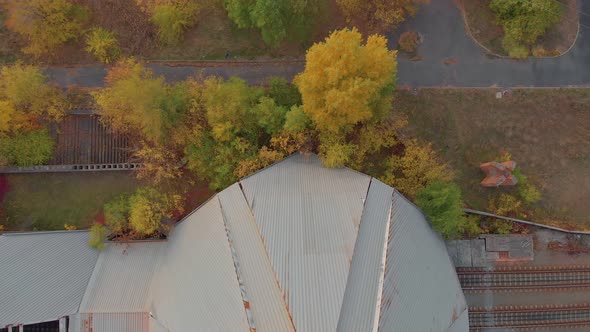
{"points": [[360, 307], [295, 246], [308, 218], [266, 301], [196, 287], [43, 275], [122, 277], [421, 291]]}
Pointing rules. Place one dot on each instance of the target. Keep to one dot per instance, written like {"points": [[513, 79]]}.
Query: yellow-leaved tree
{"points": [[346, 82], [132, 101], [46, 24]]}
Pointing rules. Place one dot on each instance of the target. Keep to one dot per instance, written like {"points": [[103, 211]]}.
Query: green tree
{"points": [[116, 214], [147, 209], [26, 149], [441, 203], [103, 45], [283, 92], [271, 117], [46, 24], [296, 120], [276, 19], [173, 19], [524, 21]]}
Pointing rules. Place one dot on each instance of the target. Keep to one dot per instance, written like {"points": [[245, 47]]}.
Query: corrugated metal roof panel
{"points": [[196, 286], [412, 299], [113, 322], [461, 324], [308, 217], [43, 276], [122, 277], [365, 280], [266, 299]]}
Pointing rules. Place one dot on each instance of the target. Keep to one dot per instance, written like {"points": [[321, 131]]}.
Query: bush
{"points": [[172, 19], [33, 148], [408, 41], [116, 213], [103, 45], [524, 22], [97, 235], [505, 205], [441, 203], [526, 190], [148, 207], [470, 226]]}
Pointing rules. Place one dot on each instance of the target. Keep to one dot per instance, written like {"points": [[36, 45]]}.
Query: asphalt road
{"points": [[442, 27]]}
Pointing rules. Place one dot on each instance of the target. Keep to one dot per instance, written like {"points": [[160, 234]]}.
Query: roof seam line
{"points": [[383, 266], [234, 255], [274, 273]]}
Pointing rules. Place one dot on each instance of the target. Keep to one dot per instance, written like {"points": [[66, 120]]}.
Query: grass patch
{"points": [[48, 201], [546, 131], [558, 39]]}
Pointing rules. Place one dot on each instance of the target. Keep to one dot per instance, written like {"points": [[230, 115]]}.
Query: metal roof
{"points": [[260, 285], [43, 276], [196, 286], [295, 246], [308, 218], [421, 291], [122, 277], [360, 308]]}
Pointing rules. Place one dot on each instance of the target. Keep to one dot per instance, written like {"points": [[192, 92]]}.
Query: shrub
{"points": [[505, 205], [103, 45], [172, 19], [526, 190], [33, 148], [116, 213], [97, 235], [470, 226], [442, 204], [408, 41], [148, 207]]}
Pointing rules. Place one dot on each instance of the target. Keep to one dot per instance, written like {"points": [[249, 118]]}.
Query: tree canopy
{"points": [[172, 18], [442, 204], [524, 21], [46, 24], [136, 101], [380, 13], [346, 82], [276, 19], [103, 45]]}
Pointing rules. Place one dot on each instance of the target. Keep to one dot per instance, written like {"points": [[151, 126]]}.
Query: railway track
{"points": [[530, 318], [522, 279]]}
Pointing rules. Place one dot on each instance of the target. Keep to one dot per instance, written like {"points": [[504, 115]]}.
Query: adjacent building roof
{"points": [[294, 247], [43, 276]]}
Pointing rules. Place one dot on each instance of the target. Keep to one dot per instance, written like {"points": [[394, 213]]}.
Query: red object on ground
{"points": [[498, 174]]}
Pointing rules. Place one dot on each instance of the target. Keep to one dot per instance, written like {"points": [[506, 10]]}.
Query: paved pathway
{"points": [[441, 24]]}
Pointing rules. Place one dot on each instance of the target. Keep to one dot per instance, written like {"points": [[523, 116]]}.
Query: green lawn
{"points": [[48, 201]]}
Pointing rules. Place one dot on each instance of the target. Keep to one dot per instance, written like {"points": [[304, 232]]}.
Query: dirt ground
{"points": [[212, 36], [547, 132], [482, 23]]}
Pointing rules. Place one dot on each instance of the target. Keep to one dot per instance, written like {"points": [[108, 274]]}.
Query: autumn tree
{"points": [[46, 24], [415, 168], [173, 18], [382, 14], [103, 45], [346, 83], [27, 103], [441, 203], [524, 21], [276, 19], [136, 101], [148, 207]]}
